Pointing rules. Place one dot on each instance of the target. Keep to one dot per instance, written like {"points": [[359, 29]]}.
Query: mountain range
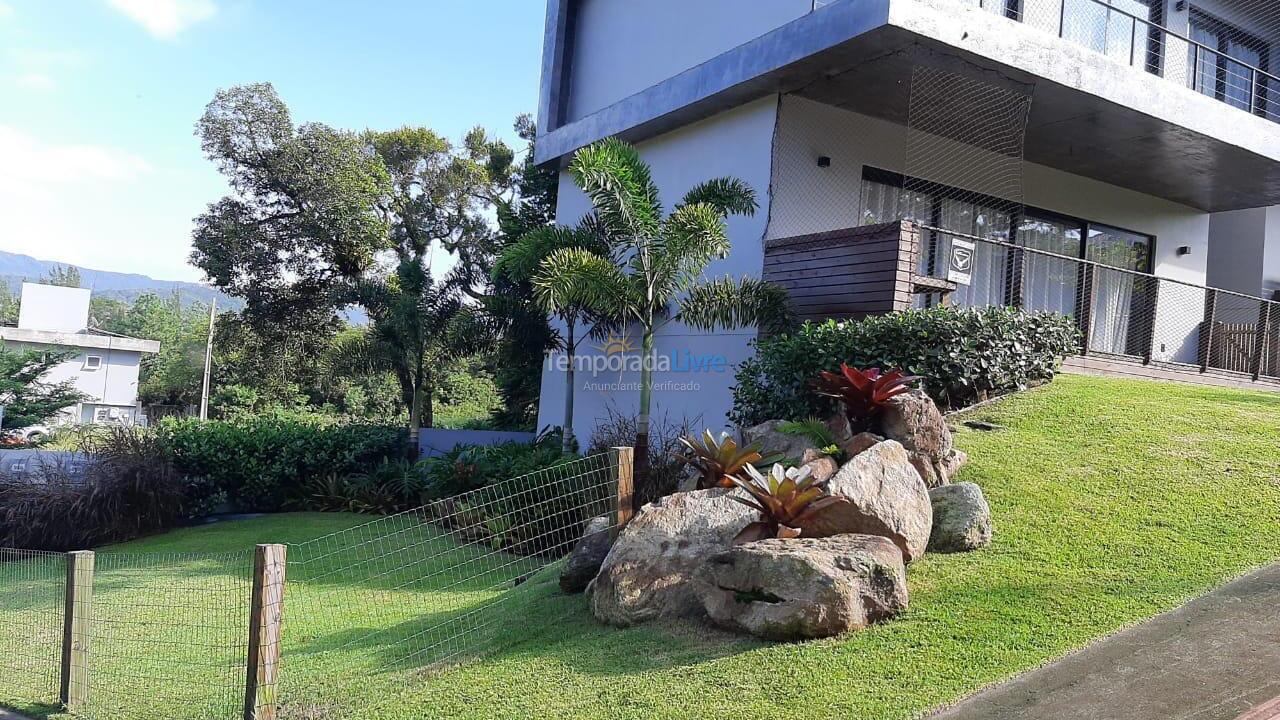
{"points": [[15, 268]]}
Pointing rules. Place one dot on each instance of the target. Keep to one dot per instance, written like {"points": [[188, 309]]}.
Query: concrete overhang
{"points": [[78, 340], [1090, 116]]}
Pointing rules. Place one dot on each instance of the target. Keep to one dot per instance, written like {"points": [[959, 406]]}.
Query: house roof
{"points": [[84, 339]]}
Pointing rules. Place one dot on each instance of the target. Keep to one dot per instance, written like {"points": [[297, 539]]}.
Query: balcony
{"points": [[1216, 60]]}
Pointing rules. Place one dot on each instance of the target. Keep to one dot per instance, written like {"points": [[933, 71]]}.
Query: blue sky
{"points": [[98, 100]]}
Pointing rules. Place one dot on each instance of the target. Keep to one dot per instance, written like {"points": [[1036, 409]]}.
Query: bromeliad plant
{"points": [[787, 499], [718, 462], [863, 393]]}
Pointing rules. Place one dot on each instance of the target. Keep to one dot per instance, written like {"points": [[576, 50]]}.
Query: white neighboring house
{"points": [[105, 367]]}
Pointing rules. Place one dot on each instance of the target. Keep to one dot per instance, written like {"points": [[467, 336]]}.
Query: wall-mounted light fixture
{"points": [[824, 161], [1184, 250]]}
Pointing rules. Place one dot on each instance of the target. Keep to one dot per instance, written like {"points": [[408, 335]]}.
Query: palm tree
{"points": [[418, 328], [653, 269], [573, 301]]}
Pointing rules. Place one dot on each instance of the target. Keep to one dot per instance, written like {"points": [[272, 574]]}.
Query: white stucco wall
{"points": [[115, 382], [809, 199], [735, 143], [622, 46]]}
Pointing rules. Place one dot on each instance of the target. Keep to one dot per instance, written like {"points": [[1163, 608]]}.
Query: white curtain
{"points": [[1113, 293]]}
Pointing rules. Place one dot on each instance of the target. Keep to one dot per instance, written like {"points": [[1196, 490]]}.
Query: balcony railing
{"points": [[1146, 45], [1121, 313]]}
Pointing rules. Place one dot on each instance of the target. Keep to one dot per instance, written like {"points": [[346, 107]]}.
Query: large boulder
{"points": [[884, 495], [961, 518], [772, 440], [584, 560], [804, 588], [647, 573], [913, 419], [937, 473]]}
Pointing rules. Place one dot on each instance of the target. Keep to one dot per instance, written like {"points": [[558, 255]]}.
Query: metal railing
{"points": [[1143, 43], [1121, 313]]}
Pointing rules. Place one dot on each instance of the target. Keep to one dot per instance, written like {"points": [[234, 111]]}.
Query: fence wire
{"points": [[419, 589], [32, 604], [1122, 313]]}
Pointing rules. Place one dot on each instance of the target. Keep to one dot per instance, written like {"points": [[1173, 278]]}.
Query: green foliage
{"points": [[962, 355], [28, 399], [129, 489], [173, 376], [467, 397], [263, 464], [812, 429], [470, 467], [62, 276]]}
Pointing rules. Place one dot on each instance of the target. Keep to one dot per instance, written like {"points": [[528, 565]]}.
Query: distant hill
{"points": [[15, 268]]}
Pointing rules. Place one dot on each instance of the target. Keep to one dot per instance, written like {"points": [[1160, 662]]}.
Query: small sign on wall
{"points": [[960, 266]]}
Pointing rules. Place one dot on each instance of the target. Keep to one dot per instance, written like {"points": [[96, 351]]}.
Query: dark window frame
{"points": [[1226, 33]]}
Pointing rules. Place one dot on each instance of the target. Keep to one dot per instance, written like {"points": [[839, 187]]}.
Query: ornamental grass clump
{"points": [[788, 499]]}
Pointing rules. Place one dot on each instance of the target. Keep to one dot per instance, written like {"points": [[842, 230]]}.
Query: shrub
{"points": [[719, 461], [963, 356], [267, 463], [470, 467], [129, 489]]}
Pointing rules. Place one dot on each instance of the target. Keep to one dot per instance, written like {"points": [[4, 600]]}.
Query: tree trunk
{"points": [[415, 422], [568, 442], [641, 454]]}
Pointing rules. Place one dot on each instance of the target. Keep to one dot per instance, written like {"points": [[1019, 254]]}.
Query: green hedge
{"points": [[263, 464], [962, 354]]}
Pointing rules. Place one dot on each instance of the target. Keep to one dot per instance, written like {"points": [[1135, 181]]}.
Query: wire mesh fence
{"points": [[139, 636], [422, 583], [32, 603], [1121, 312]]}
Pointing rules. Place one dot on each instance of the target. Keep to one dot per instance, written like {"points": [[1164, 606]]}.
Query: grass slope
{"points": [[1114, 501]]}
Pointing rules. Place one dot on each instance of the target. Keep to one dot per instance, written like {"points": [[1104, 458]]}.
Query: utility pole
{"points": [[208, 361]]}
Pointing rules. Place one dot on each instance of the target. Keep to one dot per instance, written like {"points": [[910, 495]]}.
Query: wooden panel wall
{"points": [[850, 273]]}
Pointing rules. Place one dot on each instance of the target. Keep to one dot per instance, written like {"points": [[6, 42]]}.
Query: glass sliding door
{"points": [[1050, 284], [988, 277], [1225, 60], [1115, 28], [1122, 301]]}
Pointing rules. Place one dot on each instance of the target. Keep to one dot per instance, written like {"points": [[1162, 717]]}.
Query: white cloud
{"points": [[30, 160], [35, 81], [165, 19]]}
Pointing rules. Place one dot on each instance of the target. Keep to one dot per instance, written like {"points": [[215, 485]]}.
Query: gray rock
{"points": [[861, 443], [821, 466], [884, 495], [584, 561], [648, 571], [914, 420], [937, 473], [771, 440], [961, 518], [804, 588]]}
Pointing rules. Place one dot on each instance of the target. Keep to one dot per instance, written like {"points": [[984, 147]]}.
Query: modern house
{"points": [[105, 367], [1114, 160]]}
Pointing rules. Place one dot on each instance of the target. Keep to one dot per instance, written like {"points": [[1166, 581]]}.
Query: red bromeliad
{"points": [[863, 393]]}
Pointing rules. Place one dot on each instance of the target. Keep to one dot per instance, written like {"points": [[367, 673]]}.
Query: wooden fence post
{"points": [[77, 617], [266, 611], [626, 487]]}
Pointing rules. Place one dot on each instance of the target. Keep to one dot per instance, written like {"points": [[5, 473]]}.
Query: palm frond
{"points": [[726, 304], [730, 196], [620, 187], [520, 260], [573, 279], [692, 237]]}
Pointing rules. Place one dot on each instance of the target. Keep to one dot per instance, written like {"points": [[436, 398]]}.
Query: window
{"points": [[1127, 31], [1046, 283], [1223, 63], [92, 362]]}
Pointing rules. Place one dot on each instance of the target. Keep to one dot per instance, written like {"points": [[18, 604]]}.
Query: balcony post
{"points": [[1210, 320]]}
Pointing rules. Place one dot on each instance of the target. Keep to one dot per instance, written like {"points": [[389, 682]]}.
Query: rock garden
{"points": [[798, 530]]}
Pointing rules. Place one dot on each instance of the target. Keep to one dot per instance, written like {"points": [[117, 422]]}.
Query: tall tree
{"points": [[654, 269], [316, 211], [63, 276], [526, 333], [573, 301]]}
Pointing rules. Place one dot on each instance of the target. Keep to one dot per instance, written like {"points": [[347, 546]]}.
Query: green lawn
{"points": [[1113, 500]]}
